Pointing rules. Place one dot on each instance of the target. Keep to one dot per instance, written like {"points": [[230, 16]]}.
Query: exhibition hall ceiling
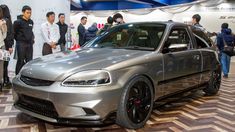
{"points": [[123, 4]]}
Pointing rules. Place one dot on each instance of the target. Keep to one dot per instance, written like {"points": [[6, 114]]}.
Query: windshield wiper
{"points": [[111, 45]]}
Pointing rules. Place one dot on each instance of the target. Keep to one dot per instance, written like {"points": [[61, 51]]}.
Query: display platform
{"points": [[193, 112]]}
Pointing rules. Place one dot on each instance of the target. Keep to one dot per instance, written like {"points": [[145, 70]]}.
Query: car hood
{"points": [[55, 66]]}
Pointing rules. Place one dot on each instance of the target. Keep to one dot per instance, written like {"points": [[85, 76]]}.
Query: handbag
{"points": [[4, 55], [229, 50]]}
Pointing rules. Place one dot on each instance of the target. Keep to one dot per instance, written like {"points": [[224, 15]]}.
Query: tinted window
{"points": [[203, 36], [201, 43], [178, 40], [131, 36]]}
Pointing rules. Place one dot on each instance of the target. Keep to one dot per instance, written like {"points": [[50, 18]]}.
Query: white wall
{"points": [[156, 15]]}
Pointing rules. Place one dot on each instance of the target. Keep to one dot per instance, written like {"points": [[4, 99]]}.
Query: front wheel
{"points": [[214, 84], [136, 103]]}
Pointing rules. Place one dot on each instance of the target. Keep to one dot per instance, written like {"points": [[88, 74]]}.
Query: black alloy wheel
{"points": [[136, 103], [139, 102], [214, 84]]}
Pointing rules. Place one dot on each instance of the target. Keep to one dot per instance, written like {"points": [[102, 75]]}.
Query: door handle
{"points": [[196, 57]]}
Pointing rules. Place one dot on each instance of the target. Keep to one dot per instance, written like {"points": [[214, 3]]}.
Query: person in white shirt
{"points": [[3, 29], [51, 35]]}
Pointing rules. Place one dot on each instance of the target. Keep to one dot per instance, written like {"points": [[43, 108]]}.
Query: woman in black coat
{"points": [[9, 41], [91, 32]]}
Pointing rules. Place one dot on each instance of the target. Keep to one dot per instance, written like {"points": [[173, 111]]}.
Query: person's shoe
{"points": [[225, 76], [7, 85]]}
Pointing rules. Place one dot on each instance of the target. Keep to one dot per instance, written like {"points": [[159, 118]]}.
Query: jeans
{"points": [[225, 62]]}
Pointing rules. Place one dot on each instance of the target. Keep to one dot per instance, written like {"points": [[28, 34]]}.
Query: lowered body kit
{"points": [[118, 75]]}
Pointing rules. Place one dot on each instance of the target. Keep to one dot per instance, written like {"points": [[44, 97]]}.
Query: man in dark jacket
{"points": [[81, 30], [91, 32], [23, 33], [223, 39], [9, 41], [197, 26], [63, 30], [196, 22]]}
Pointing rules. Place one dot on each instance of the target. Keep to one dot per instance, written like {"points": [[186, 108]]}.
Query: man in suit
{"points": [[81, 31]]}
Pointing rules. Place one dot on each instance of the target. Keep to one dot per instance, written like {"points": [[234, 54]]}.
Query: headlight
{"points": [[88, 78]]}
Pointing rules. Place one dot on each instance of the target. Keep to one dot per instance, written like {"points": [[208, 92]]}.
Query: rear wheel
{"points": [[214, 84], [136, 103]]}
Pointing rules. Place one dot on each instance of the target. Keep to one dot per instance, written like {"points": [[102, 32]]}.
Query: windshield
{"points": [[130, 36]]}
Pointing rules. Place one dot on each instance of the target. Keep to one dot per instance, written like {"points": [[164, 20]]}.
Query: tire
{"points": [[136, 103], [214, 83]]}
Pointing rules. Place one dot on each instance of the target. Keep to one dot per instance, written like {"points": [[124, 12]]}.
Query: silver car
{"points": [[118, 75]]}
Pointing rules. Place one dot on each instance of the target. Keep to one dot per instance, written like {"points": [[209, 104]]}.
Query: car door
{"points": [[209, 58], [182, 63]]}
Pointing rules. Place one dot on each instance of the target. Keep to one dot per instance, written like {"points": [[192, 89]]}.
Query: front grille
{"points": [[35, 82], [39, 106]]}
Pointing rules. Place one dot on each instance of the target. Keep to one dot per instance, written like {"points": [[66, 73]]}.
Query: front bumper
{"points": [[67, 105]]}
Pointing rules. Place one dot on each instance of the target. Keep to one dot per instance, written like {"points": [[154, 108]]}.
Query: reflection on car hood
{"points": [[53, 66]]}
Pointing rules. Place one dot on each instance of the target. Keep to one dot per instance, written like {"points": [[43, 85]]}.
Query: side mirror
{"points": [[165, 50], [166, 47]]}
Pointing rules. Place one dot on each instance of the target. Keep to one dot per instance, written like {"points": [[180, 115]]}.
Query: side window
{"points": [[207, 39], [201, 36], [178, 40], [201, 43]]}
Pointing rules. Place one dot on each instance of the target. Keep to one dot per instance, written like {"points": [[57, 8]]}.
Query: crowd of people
{"points": [[224, 39], [21, 31], [54, 36], [93, 31]]}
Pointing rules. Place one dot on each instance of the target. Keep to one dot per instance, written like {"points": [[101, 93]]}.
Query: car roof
{"points": [[168, 23]]}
